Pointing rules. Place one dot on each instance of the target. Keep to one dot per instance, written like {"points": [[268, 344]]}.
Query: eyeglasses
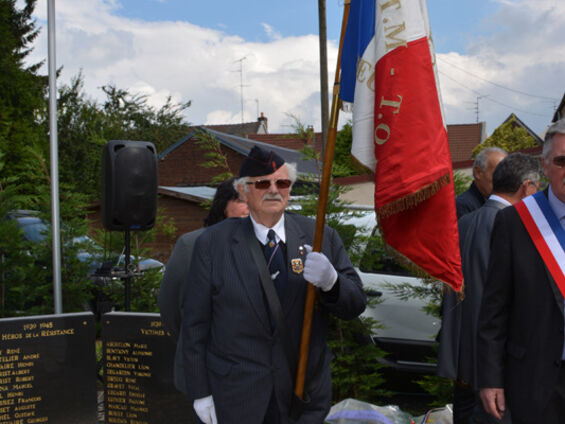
{"points": [[265, 184], [559, 161]]}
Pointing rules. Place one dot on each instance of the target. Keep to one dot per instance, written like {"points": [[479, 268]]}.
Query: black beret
{"points": [[260, 162]]}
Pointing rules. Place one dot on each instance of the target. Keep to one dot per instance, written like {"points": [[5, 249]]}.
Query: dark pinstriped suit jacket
{"points": [[230, 349], [171, 296]]}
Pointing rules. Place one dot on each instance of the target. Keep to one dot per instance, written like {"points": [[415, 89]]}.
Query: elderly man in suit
{"points": [[226, 204], [515, 177], [239, 346], [483, 167], [521, 324]]}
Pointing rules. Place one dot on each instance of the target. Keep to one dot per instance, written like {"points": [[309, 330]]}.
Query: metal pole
{"points": [[241, 83], [323, 71], [127, 279], [58, 299]]}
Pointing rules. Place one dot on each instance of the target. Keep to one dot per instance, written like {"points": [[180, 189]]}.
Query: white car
{"points": [[408, 332]]}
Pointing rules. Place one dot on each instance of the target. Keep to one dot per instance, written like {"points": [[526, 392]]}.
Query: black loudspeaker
{"points": [[129, 185]]}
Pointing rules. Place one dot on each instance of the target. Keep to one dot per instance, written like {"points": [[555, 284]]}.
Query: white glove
{"points": [[318, 270], [205, 410]]}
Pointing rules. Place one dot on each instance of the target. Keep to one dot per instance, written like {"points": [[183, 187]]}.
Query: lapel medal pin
{"points": [[297, 264]]}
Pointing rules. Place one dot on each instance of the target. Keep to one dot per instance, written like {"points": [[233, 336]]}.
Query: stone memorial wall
{"points": [[48, 369], [138, 358]]}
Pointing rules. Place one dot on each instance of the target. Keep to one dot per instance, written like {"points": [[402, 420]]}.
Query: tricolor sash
{"points": [[547, 234]]}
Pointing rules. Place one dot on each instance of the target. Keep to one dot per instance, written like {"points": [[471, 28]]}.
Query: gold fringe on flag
{"points": [[413, 199]]}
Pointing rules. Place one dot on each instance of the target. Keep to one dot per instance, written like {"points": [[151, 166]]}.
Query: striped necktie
{"points": [[276, 263]]}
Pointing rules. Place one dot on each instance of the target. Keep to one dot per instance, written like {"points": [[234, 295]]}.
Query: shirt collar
{"points": [[500, 199], [261, 231], [556, 205]]}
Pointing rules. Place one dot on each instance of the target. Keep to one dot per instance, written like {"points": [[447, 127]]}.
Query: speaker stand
{"points": [[127, 277]]}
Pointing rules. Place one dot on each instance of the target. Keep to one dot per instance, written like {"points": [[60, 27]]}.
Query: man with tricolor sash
{"points": [[521, 352]]}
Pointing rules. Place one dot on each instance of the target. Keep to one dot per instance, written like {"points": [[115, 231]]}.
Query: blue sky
{"points": [[456, 21], [494, 56]]}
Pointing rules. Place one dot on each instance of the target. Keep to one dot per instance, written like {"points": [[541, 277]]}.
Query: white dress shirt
{"points": [[499, 199], [261, 231]]}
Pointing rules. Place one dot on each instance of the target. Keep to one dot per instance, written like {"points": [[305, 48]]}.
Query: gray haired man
{"points": [[481, 188], [521, 356]]}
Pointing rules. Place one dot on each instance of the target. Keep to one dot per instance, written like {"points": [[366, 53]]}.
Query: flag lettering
{"points": [[390, 3], [392, 103], [366, 73], [381, 128], [392, 31], [392, 36]]}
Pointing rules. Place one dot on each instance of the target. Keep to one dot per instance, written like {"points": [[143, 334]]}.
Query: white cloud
{"points": [[515, 67], [521, 49], [219, 117], [271, 32], [187, 62]]}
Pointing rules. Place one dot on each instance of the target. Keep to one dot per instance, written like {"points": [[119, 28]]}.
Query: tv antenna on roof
{"points": [[241, 83], [477, 106]]}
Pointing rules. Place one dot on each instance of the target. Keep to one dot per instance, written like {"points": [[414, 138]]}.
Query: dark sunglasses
{"points": [[265, 184], [559, 161]]}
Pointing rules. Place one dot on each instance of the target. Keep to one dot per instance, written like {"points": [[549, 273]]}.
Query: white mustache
{"points": [[269, 196]]}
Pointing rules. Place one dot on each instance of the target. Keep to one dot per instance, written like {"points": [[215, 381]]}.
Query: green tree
{"points": [[81, 128], [461, 182], [214, 155], [24, 175], [129, 115], [15, 263], [86, 126], [22, 93], [344, 164], [509, 136], [26, 266]]}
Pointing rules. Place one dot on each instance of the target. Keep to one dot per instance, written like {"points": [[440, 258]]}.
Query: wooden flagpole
{"points": [[321, 216]]}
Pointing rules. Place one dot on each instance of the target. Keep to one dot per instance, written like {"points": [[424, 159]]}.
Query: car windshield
{"points": [[376, 258], [33, 229]]}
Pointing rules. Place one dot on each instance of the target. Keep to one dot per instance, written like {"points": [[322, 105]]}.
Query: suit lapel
{"points": [[556, 292], [295, 238], [247, 270]]}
